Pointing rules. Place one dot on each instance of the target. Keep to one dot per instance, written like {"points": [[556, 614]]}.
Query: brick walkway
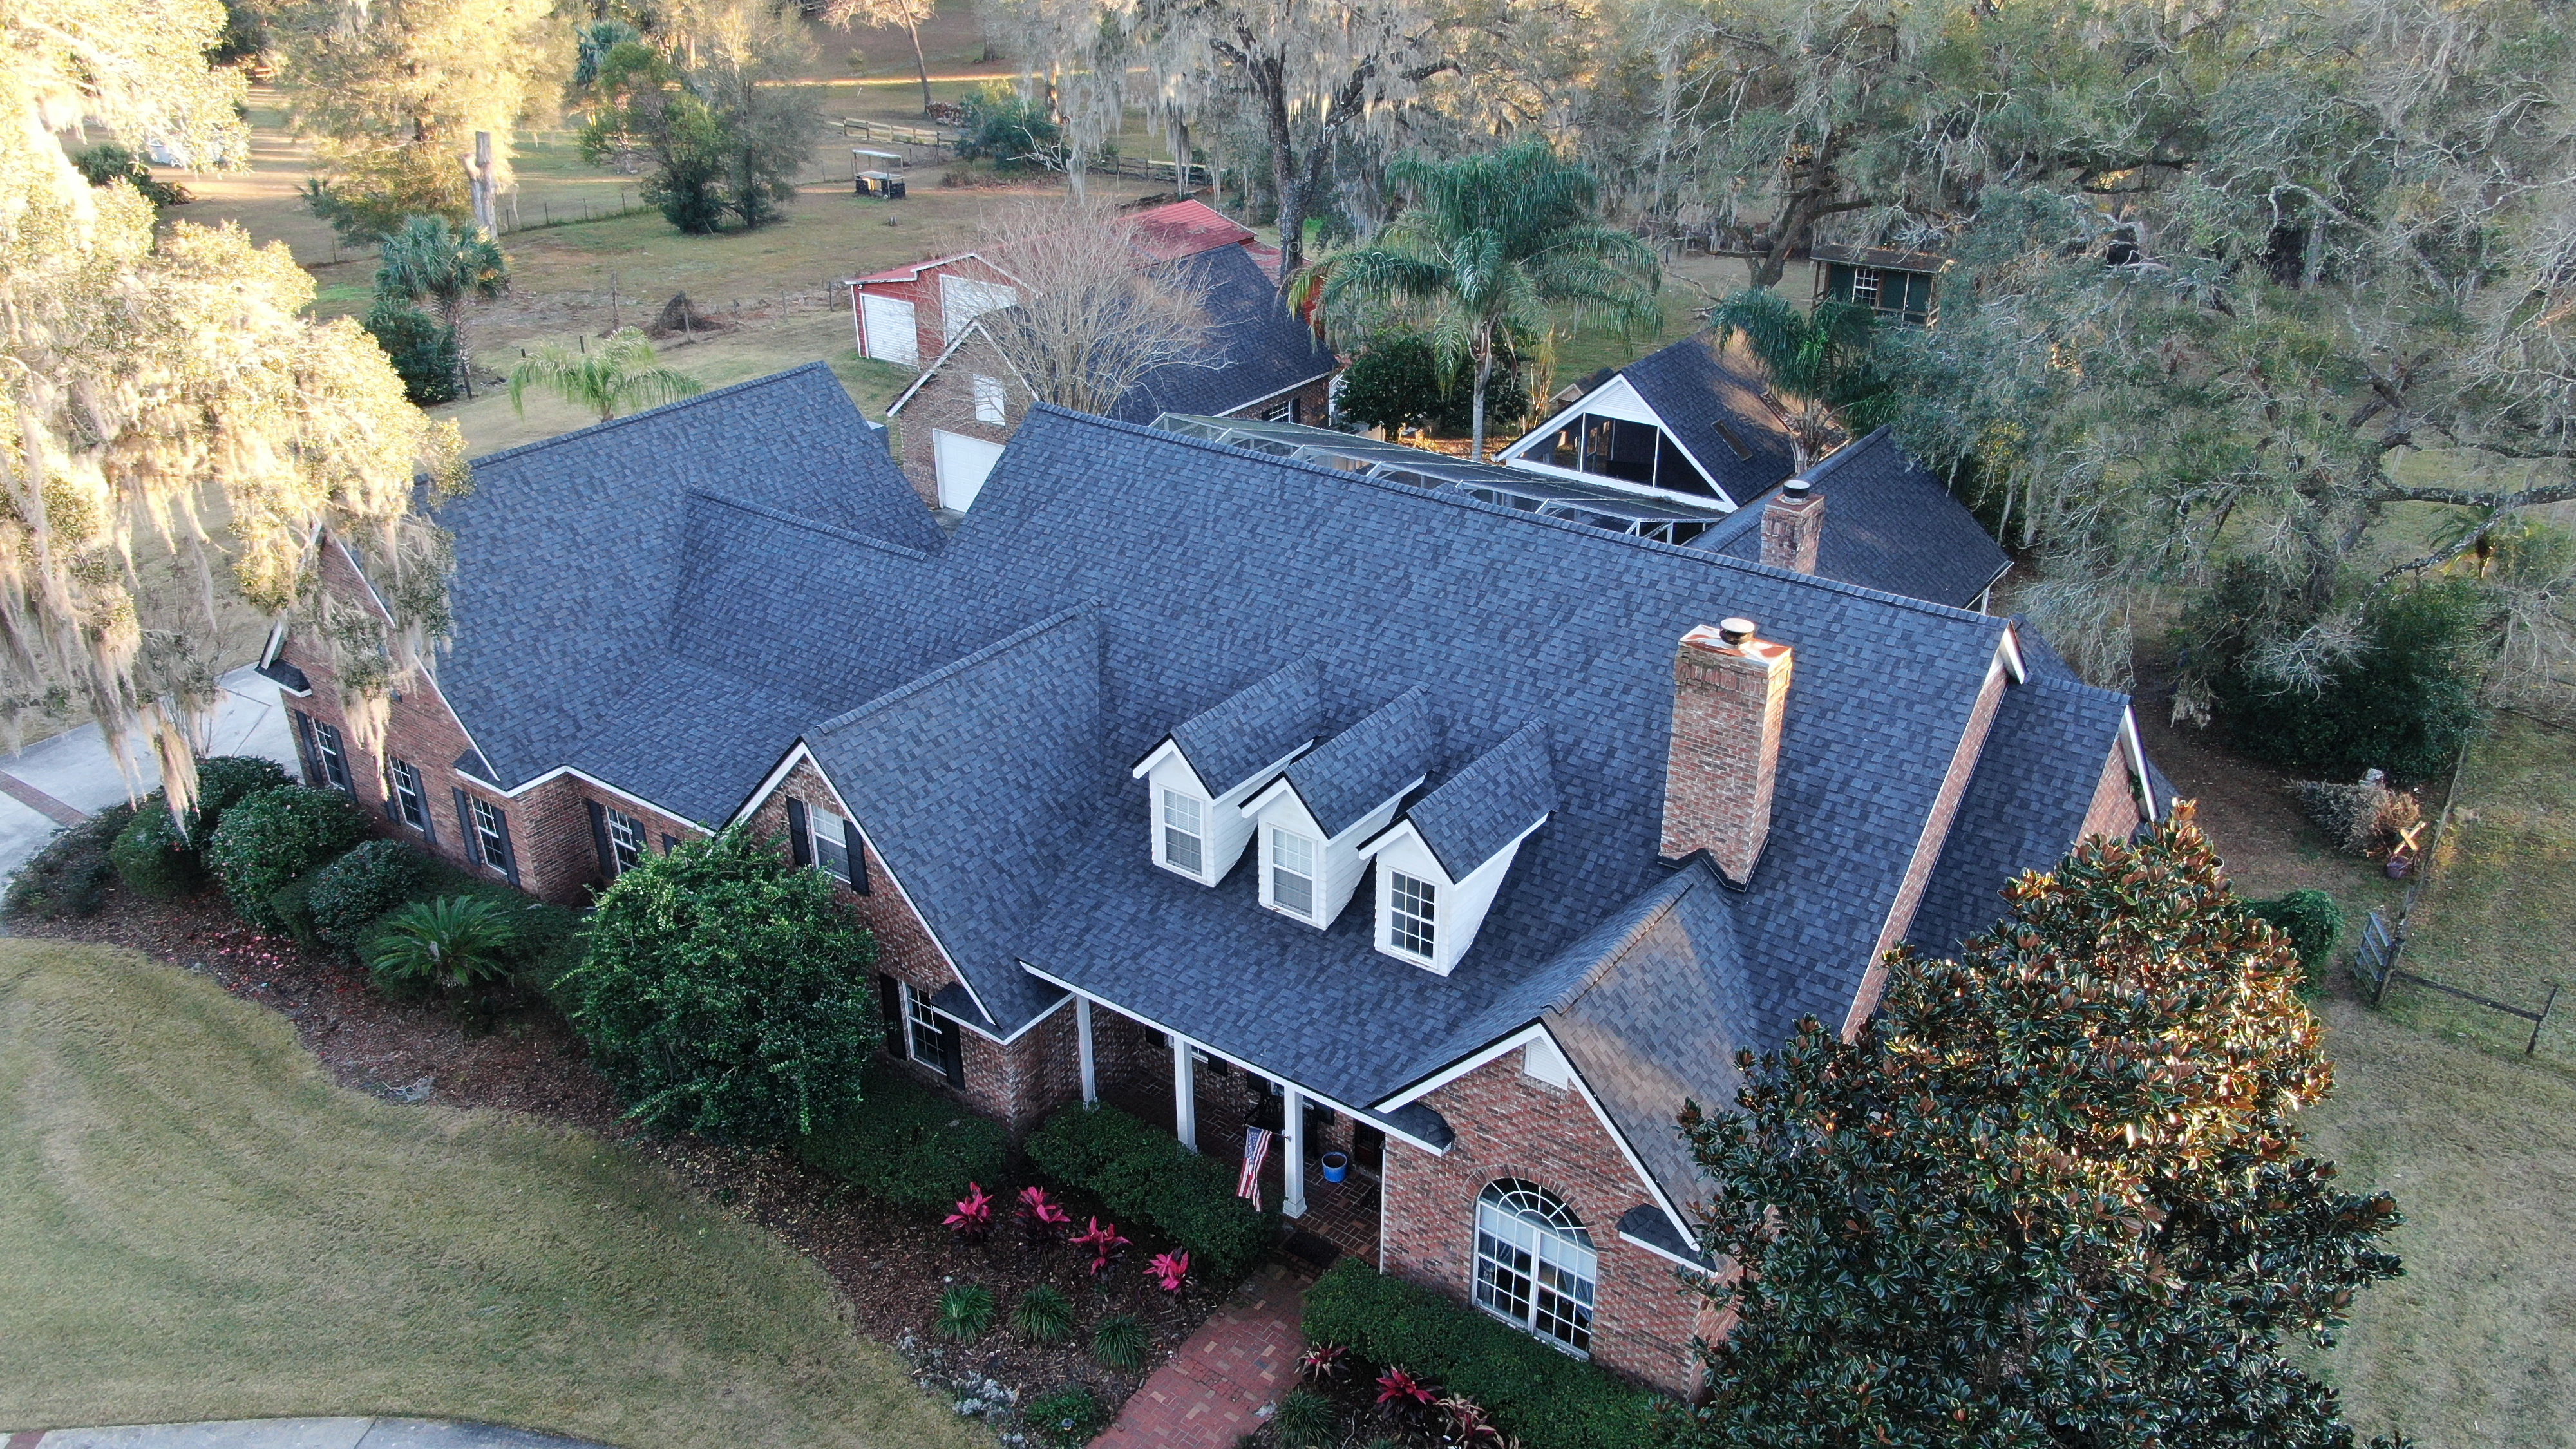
{"points": [[1216, 1389]]}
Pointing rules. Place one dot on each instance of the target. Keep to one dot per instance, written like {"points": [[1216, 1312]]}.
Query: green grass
{"points": [[197, 1224], [2471, 1348]]}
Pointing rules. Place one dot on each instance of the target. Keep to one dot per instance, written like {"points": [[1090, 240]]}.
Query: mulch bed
{"points": [[890, 1262]]}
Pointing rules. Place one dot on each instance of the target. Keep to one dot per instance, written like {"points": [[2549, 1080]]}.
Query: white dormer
{"points": [[1307, 874], [1199, 834], [1422, 915]]}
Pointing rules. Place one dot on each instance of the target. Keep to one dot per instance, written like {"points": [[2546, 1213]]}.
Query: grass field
{"points": [[197, 1224]]}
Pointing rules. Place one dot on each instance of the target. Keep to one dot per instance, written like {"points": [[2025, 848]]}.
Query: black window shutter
{"points": [[305, 753], [797, 845], [858, 855], [670, 843], [599, 841], [428, 817], [890, 997], [465, 828], [952, 1055], [509, 858]]}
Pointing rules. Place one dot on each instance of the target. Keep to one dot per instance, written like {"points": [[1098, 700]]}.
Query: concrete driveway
{"points": [[61, 780]]}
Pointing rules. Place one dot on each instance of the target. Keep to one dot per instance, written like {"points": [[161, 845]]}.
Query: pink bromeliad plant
{"points": [[1403, 1398], [1170, 1271], [1104, 1243], [1046, 1223], [972, 1222]]}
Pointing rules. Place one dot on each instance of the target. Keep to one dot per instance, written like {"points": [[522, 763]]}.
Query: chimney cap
{"points": [[1735, 631], [1796, 488]]}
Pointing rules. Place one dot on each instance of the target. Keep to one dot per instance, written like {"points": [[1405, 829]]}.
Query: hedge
{"points": [[266, 841], [1544, 1398], [68, 878], [150, 855], [338, 903], [1140, 1172], [907, 1143]]}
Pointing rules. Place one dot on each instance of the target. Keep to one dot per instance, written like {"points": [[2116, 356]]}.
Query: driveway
{"points": [[58, 781]]}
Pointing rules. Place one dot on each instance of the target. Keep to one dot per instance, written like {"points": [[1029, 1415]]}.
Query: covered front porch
{"points": [[1209, 1103]]}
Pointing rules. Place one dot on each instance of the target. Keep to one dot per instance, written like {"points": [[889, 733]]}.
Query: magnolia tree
{"points": [[173, 395], [2052, 1194]]}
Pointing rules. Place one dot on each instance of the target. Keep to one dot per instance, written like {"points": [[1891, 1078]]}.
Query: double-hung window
{"points": [[334, 756], [992, 400], [831, 842], [1184, 832], [1292, 873], [411, 802], [1411, 908], [491, 836], [928, 1038], [625, 839]]}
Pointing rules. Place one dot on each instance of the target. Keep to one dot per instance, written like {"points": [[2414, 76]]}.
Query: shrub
{"points": [[266, 841], [727, 992], [2310, 918], [107, 163], [1397, 382], [1306, 1420], [2405, 702], [909, 1143], [1538, 1395], [1138, 1172], [227, 780], [1066, 1419], [68, 878], [347, 897], [150, 855], [965, 1313], [1015, 134], [455, 945], [1044, 1314], [2366, 818], [1120, 1342], [422, 351]]}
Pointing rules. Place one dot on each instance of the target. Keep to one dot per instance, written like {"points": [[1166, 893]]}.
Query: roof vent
{"points": [[1730, 694]]}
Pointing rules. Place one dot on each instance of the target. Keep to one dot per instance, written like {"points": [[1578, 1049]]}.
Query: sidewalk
{"points": [[56, 782], [296, 1434], [1224, 1382]]}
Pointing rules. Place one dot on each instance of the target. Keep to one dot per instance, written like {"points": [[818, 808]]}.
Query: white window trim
{"points": [[918, 1016], [489, 841], [1313, 873], [411, 797], [1387, 940], [611, 821], [1588, 1275], [992, 399], [1163, 830], [839, 839]]}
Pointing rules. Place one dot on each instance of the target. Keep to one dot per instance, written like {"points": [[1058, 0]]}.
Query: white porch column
{"points": [[1082, 1035], [1185, 1095], [1292, 1168]]}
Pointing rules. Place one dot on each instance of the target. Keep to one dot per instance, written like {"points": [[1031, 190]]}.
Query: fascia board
{"points": [[2137, 751], [1405, 1096], [1256, 1069], [1155, 756]]}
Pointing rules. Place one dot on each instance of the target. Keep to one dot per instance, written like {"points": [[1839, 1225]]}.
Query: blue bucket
{"points": [[1336, 1167]]}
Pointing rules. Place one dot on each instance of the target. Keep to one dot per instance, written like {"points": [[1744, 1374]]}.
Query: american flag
{"points": [[1256, 1151]]}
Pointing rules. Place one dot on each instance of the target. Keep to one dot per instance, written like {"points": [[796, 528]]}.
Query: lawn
{"points": [[199, 1225]]}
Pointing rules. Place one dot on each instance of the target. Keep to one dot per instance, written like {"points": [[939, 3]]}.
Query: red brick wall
{"points": [[1724, 756], [2115, 811], [1509, 1124], [1927, 849], [945, 400], [1314, 403], [1017, 1083]]}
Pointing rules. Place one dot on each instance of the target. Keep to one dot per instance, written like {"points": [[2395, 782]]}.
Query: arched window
{"points": [[1534, 1263]]}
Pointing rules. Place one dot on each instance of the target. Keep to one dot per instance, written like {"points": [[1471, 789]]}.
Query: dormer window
{"points": [[1184, 832], [1406, 925], [1292, 874]]}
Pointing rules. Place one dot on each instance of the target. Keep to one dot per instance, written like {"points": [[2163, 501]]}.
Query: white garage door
{"points": [[891, 334], [963, 463]]}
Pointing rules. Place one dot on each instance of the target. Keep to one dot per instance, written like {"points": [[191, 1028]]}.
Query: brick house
{"points": [[1460, 842], [1259, 361]]}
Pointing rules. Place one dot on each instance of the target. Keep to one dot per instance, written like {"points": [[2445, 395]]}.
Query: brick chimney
{"points": [[1729, 691], [1792, 523]]}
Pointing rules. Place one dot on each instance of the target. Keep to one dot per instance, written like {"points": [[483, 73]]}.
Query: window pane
{"points": [[1535, 1264], [924, 1024], [625, 840], [831, 842], [1411, 903], [1181, 830], [335, 760], [1292, 872]]}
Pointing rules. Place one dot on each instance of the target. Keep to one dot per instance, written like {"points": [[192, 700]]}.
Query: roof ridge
{"points": [[1817, 470], [1461, 500], [711, 394], [813, 525], [958, 665], [1675, 888]]}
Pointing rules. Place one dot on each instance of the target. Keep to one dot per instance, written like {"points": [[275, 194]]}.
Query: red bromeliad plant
{"points": [[1171, 1270], [1403, 1398], [1046, 1223], [973, 1220], [1324, 1363], [1469, 1425], [1104, 1244]]}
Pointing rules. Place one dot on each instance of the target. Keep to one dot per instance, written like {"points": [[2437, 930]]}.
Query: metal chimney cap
{"points": [[1796, 488], [1735, 631]]}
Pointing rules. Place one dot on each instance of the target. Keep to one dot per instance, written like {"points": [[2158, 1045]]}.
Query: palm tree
{"points": [[453, 944], [430, 261], [622, 374], [1820, 358], [1485, 251]]}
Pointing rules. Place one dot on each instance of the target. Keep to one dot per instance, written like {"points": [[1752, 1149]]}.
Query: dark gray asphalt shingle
{"points": [[1363, 766], [1257, 348], [1479, 810], [1889, 525], [1713, 402], [1255, 726]]}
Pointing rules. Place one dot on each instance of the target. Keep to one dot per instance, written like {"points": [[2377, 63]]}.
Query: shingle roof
{"points": [[2026, 803], [1255, 726], [1889, 525], [1363, 766], [1255, 348], [1712, 400], [1480, 809]]}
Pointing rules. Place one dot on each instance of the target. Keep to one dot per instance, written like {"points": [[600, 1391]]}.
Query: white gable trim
{"points": [[1669, 1256], [2137, 753], [1270, 792], [1405, 1096], [1158, 754], [1346, 1109], [973, 328], [917, 268], [1405, 827], [800, 752], [1624, 403]]}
